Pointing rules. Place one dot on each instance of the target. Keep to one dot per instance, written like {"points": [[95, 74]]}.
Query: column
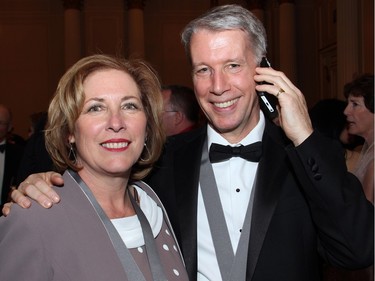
{"points": [[348, 38], [287, 39], [72, 31], [256, 7], [214, 3], [136, 43]]}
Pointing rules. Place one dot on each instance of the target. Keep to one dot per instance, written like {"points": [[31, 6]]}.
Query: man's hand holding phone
{"points": [[291, 106]]}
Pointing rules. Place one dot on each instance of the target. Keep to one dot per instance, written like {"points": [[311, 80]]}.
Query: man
{"points": [[248, 220], [36, 158], [181, 110], [10, 155]]}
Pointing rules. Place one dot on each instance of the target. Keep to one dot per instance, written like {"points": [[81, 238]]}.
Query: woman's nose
{"points": [[116, 121]]}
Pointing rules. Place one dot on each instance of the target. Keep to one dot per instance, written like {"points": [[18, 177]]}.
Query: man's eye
{"points": [[234, 67], [202, 71]]}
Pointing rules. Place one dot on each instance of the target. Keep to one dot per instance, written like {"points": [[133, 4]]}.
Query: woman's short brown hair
{"points": [[67, 104]]}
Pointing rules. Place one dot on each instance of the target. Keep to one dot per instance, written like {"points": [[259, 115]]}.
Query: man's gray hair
{"points": [[229, 17]]}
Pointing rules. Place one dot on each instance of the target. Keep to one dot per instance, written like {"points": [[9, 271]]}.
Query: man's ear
{"points": [[10, 127], [179, 117]]}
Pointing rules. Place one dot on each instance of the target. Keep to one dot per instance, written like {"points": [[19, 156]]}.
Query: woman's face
{"points": [[360, 119], [110, 132]]}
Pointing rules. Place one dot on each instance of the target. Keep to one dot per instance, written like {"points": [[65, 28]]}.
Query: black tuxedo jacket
{"points": [[306, 206], [13, 156]]}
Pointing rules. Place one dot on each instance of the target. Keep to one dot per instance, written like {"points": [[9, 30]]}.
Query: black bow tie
{"points": [[2, 148], [251, 152]]}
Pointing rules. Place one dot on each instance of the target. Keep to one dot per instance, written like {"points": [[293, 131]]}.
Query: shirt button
{"points": [[238, 190]]}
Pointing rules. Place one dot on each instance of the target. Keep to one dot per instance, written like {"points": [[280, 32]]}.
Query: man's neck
{"points": [[245, 137], [237, 135]]}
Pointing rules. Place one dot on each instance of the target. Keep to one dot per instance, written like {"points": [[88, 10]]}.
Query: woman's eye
{"points": [[130, 106], [95, 108]]}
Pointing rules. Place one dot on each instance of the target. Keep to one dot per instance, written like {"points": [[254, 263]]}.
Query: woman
{"points": [[360, 116], [104, 130], [327, 117]]}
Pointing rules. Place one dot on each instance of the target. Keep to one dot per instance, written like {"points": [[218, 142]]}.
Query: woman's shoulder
{"points": [[22, 221]]}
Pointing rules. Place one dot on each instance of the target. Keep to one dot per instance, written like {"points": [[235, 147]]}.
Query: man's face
{"points": [[4, 122], [223, 70]]}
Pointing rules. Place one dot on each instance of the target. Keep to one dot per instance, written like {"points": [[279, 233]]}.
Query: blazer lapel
{"points": [[269, 182]]}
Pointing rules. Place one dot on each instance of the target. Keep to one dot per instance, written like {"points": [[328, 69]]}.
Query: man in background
{"points": [[181, 109], [10, 154]]}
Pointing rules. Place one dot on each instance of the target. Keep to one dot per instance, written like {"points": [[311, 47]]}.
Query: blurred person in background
{"points": [[10, 154], [181, 110], [360, 117], [327, 117]]}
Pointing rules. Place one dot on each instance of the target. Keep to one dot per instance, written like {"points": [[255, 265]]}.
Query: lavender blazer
{"points": [[66, 242]]}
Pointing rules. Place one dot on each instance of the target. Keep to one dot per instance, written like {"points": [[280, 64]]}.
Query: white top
{"points": [[130, 228], [131, 233], [234, 178]]}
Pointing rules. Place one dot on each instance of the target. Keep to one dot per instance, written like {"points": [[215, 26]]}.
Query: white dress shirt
{"points": [[234, 179]]}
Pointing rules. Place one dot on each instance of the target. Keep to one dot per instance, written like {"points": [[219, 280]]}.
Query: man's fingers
{"points": [[56, 178], [35, 192], [38, 187], [20, 199], [6, 208]]}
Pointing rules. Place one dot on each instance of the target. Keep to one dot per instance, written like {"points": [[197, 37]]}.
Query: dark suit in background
{"points": [[35, 158], [13, 156]]}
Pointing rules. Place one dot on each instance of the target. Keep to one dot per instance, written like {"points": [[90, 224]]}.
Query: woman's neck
{"points": [[111, 194], [369, 137]]}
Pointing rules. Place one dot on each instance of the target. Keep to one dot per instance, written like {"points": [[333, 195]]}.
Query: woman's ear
{"points": [[71, 139]]}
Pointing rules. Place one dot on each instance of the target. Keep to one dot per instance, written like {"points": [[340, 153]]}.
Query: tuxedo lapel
{"points": [[187, 161], [186, 158], [269, 182]]}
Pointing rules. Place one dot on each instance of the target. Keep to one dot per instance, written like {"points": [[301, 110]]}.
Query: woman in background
{"points": [[360, 117]]}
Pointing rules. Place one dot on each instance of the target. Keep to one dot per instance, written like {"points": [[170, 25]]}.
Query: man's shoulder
{"points": [[184, 139], [14, 148]]}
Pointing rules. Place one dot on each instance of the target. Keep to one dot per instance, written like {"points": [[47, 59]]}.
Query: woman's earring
{"points": [[148, 152], [72, 154]]}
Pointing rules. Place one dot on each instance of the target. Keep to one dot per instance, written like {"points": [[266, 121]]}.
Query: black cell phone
{"points": [[267, 101]]}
